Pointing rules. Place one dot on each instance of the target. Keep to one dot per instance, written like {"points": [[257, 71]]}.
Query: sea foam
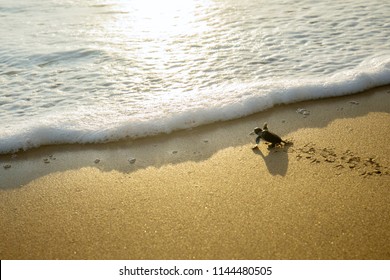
{"points": [[91, 73], [221, 103]]}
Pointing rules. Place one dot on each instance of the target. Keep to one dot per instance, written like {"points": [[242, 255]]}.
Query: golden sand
{"points": [[205, 194]]}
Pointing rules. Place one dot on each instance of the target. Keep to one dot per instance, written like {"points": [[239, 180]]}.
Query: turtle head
{"points": [[257, 130]]}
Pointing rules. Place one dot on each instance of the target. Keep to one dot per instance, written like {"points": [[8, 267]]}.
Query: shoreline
{"points": [[165, 148], [205, 194]]}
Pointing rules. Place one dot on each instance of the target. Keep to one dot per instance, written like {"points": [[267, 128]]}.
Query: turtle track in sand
{"points": [[341, 160]]}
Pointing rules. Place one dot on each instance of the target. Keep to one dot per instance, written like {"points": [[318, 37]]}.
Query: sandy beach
{"points": [[206, 194]]}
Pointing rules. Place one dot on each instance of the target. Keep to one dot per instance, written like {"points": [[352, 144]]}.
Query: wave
{"points": [[13, 58], [226, 102], [43, 60]]}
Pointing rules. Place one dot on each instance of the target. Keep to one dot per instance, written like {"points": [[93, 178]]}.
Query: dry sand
{"points": [[205, 194]]}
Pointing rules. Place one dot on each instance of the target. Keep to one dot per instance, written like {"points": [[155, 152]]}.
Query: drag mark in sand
{"points": [[343, 160]]}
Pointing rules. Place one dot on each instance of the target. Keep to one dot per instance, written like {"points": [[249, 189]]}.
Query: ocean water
{"points": [[94, 71]]}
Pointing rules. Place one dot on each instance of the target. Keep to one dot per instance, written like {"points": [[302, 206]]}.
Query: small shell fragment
{"points": [[303, 111]]}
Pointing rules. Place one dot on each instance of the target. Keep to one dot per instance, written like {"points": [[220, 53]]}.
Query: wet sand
{"points": [[206, 194]]}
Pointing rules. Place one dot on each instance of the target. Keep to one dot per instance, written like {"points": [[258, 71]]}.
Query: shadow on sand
{"points": [[276, 160]]}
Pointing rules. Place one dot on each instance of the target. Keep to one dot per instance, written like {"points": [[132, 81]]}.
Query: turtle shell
{"points": [[270, 137]]}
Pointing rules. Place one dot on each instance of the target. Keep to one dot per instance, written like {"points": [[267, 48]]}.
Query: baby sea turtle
{"points": [[267, 136]]}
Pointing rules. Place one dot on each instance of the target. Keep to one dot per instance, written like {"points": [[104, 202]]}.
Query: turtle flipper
{"points": [[258, 139]]}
